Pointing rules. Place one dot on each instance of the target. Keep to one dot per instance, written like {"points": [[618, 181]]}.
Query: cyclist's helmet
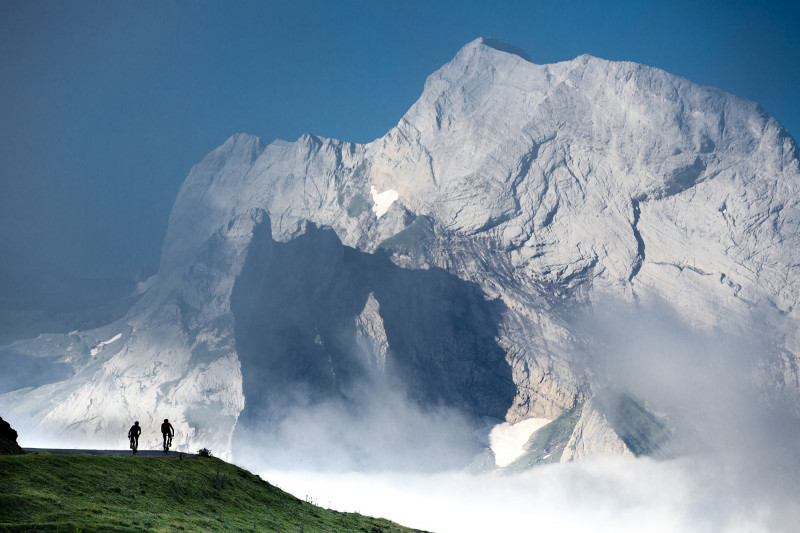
{"points": [[166, 420], [136, 423]]}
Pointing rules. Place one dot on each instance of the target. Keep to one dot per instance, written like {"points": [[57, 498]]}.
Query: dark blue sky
{"points": [[105, 106]]}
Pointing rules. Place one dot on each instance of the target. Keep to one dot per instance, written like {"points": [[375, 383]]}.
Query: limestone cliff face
{"points": [[521, 194], [593, 435]]}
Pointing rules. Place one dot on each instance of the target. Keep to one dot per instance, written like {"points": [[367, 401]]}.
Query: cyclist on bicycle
{"points": [[133, 435], [167, 432]]}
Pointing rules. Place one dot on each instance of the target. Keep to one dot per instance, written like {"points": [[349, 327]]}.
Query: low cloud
{"points": [[375, 427], [605, 494], [738, 469]]}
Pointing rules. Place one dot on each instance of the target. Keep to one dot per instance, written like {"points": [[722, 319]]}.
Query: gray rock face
{"points": [[372, 334], [593, 435], [311, 298], [523, 193]]}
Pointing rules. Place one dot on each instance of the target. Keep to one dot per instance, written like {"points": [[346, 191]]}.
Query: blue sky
{"points": [[105, 106]]}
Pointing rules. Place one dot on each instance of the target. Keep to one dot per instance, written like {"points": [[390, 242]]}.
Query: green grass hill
{"points": [[85, 493]]}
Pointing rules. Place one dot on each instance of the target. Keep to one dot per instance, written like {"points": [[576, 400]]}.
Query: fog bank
{"points": [[732, 464], [605, 494]]}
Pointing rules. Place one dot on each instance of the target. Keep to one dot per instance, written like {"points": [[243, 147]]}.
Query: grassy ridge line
{"points": [[84, 493]]}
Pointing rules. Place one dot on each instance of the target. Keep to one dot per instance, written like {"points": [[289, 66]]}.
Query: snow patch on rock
{"points": [[383, 201], [507, 441], [96, 350]]}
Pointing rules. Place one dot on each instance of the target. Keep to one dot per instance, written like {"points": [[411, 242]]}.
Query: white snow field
{"points": [[383, 201], [507, 440], [94, 351]]}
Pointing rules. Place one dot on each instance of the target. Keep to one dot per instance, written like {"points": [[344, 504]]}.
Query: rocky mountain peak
{"points": [[455, 253], [501, 46]]}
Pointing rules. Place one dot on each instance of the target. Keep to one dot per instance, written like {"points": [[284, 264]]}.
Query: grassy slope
{"points": [[43, 492]]}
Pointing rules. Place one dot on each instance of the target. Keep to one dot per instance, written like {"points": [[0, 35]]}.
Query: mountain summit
{"points": [[448, 273]]}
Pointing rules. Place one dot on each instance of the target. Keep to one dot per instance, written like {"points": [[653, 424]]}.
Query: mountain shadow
{"points": [[296, 305]]}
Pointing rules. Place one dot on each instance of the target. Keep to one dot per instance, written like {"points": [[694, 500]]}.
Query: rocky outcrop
{"points": [[371, 334], [593, 435], [8, 439]]}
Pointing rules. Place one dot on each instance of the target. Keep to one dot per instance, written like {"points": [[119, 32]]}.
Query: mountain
{"points": [[515, 248]]}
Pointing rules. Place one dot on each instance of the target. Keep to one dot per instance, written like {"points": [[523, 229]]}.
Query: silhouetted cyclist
{"points": [[133, 435], [167, 432]]}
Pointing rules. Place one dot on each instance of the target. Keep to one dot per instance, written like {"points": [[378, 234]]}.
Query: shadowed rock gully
{"points": [[295, 306]]}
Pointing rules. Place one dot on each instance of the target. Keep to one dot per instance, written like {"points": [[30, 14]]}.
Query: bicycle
{"points": [[167, 442], [134, 444]]}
